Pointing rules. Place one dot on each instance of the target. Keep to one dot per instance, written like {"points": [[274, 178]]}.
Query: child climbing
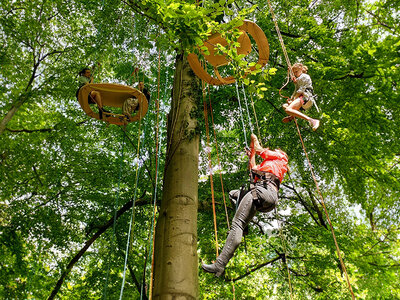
{"points": [[302, 96], [85, 77], [262, 197]]}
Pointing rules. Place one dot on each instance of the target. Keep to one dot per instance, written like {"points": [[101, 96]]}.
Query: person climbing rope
{"points": [[302, 96], [132, 104], [94, 97], [262, 196]]}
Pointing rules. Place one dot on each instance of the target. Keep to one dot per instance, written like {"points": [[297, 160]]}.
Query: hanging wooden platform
{"points": [[216, 61], [113, 95]]}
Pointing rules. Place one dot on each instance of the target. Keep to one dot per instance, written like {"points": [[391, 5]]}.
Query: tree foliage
{"points": [[64, 175]]}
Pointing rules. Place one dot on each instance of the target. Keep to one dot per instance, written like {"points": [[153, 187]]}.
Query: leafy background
{"points": [[63, 175]]}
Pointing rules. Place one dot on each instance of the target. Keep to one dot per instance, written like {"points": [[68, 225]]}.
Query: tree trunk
{"points": [[176, 263]]}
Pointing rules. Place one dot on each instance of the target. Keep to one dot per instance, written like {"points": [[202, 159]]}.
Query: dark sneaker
{"points": [[213, 268]]}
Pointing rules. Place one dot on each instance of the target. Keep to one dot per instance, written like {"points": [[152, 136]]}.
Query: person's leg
{"points": [[268, 197], [243, 216], [234, 196], [95, 95], [292, 110]]}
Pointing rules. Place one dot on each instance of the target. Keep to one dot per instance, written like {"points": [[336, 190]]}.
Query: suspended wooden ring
{"points": [[220, 60], [113, 95], [248, 27], [223, 81]]}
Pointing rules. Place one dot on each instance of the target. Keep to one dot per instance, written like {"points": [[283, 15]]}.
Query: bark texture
{"points": [[176, 262]]}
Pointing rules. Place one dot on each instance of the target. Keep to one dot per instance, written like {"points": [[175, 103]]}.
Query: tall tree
{"points": [[175, 273], [63, 175]]}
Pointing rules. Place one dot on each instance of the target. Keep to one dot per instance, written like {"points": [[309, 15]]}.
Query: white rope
{"points": [[247, 108], [241, 114]]}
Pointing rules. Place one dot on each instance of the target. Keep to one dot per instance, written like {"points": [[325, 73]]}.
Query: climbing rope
{"points": [[241, 114], [280, 38], [115, 218], [326, 211], [247, 109], [255, 115], [132, 218], [220, 174], [157, 110], [283, 239], [309, 163], [219, 162], [210, 166]]}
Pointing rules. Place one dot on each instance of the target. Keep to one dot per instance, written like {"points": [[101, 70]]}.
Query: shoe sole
{"points": [[217, 274], [287, 120]]}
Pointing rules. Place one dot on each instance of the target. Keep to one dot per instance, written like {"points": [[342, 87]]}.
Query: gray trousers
{"points": [[267, 196]]}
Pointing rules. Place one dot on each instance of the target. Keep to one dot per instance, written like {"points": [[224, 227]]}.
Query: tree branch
{"points": [[255, 269], [380, 22], [352, 75], [89, 242], [41, 129]]}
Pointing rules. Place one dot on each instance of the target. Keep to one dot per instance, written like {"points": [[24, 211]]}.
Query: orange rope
{"points": [[156, 175], [220, 175], [280, 38], [309, 163], [326, 212], [219, 162], [210, 166]]}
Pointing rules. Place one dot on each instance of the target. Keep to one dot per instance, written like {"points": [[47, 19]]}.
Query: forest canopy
{"points": [[79, 198]]}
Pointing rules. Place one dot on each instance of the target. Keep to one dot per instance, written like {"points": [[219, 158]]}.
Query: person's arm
{"points": [[252, 159], [251, 153]]}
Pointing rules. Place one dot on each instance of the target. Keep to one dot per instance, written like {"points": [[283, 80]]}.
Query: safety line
{"points": [[247, 109], [280, 39], [210, 166], [115, 218], [131, 222], [309, 163], [255, 115], [219, 162], [241, 114], [285, 252], [326, 211], [220, 174], [156, 175]]}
